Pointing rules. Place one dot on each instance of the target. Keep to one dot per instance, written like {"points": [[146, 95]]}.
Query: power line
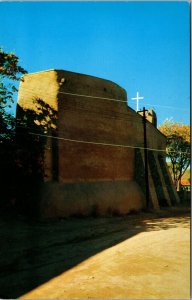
{"points": [[164, 106], [86, 96], [109, 114], [96, 112], [101, 143], [95, 143], [111, 99], [106, 116]]}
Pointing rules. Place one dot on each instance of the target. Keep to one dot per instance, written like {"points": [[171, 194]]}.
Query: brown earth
{"points": [[144, 256]]}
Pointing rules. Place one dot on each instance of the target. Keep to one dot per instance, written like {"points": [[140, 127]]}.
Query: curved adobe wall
{"points": [[83, 176]]}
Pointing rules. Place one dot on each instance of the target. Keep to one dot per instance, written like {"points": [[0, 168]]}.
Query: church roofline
{"points": [[61, 70]]}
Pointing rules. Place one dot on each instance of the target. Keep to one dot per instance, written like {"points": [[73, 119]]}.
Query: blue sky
{"points": [[142, 46]]}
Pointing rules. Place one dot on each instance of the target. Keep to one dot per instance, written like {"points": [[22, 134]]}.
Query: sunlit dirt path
{"points": [[150, 264]]}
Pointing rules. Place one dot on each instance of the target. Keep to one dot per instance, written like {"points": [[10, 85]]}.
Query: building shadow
{"points": [[33, 253]]}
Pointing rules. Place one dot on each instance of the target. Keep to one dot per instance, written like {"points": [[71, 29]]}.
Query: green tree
{"points": [[178, 148], [22, 143], [10, 72]]}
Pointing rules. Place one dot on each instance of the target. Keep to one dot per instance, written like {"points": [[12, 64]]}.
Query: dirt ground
{"points": [[143, 256]]}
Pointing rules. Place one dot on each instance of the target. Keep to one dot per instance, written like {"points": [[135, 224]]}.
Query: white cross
{"points": [[137, 99]]}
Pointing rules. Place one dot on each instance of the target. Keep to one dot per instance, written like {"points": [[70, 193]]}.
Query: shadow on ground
{"points": [[32, 253]]}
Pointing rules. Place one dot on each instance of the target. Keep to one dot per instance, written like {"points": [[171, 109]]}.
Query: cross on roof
{"points": [[137, 99]]}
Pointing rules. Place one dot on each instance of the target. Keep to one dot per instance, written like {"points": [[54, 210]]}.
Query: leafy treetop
{"points": [[10, 71], [178, 147], [171, 128], [9, 65]]}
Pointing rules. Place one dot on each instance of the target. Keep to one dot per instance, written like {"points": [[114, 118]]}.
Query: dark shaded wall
{"points": [[91, 164]]}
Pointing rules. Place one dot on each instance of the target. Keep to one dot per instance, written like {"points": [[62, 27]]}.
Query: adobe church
{"points": [[96, 163]]}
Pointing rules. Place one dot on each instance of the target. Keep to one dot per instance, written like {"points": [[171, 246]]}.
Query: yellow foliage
{"points": [[170, 128]]}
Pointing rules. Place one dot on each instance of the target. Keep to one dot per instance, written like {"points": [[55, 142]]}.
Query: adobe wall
{"points": [[88, 167]]}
